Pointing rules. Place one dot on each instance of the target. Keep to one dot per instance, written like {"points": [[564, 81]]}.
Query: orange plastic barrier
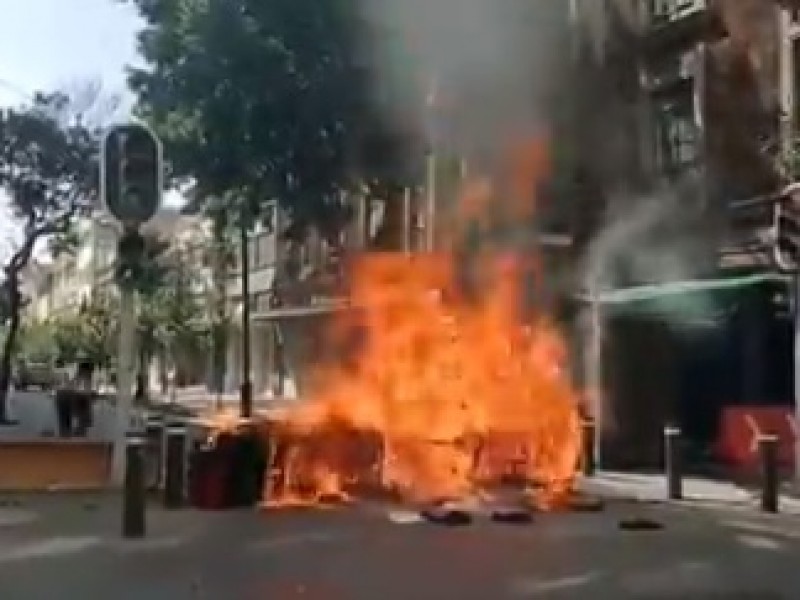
{"points": [[739, 429], [38, 465]]}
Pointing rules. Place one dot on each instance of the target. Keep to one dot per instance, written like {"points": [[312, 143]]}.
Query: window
{"points": [[265, 249], [252, 253], [676, 135], [261, 302]]}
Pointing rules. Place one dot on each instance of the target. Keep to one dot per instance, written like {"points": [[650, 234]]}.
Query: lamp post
{"points": [[246, 389]]}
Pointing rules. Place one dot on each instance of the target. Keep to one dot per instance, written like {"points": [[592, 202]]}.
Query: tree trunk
{"points": [[9, 345]]}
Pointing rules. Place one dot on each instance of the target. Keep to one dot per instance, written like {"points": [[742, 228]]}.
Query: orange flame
{"points": [[442, 394]]}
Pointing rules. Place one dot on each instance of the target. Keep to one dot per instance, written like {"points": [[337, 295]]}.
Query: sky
{"points": [[45, 44], [49, 44]]}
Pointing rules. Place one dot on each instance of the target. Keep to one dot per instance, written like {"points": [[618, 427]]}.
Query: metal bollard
{"points": [[133, 492], [768, 449], [673, 463], [588, 441], [175, 466]]}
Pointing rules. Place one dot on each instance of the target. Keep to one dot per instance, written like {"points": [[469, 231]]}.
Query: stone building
{"points": [[698, 113]]}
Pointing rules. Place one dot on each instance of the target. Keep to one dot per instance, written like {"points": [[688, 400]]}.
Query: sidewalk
{"points": [[696, 490]]}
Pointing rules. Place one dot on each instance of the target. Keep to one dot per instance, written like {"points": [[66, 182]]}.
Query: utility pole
{"points": [[131, 181], [246, 390]]}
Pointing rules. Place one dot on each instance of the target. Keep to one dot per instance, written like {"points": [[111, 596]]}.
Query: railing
{"points": [[667, 11]]}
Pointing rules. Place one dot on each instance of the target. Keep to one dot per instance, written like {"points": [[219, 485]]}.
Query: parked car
{"points": [[35, 375]]}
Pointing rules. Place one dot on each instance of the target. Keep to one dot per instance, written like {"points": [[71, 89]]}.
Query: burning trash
{"points": [[437, 394]]}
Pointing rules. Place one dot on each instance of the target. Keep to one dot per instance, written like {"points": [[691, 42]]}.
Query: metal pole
{"points": [[796, 320], [127, 337], [246, 391], [407, 220], [133, 494], [431, 196], [594, 373], [672, 460], [588, 435], [175, 467], [768, 449]]}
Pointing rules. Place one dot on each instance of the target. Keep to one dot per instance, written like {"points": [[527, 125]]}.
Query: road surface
{"points": [[69, 547]]}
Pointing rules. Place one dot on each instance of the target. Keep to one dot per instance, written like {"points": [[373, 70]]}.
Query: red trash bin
{"points": [[208, 480]]}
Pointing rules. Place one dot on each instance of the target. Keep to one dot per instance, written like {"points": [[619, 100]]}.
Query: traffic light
{"points": [[131, 174]]}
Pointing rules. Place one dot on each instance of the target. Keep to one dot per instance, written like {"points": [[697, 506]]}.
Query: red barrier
{"points": [[740, 427]]}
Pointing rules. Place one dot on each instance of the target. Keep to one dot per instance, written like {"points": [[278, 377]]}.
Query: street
{"points": [[69, 546]]}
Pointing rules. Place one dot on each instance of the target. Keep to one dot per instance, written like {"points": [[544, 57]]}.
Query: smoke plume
{"points": [[489, 66]]}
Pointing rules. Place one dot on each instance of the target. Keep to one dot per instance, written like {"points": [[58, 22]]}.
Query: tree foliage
{"points": [[172, 311], [91, 334], [173, 320], [48, 170], [261, 100]]}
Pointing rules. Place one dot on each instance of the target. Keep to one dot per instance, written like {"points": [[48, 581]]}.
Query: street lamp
{"points": [[246, 389]]}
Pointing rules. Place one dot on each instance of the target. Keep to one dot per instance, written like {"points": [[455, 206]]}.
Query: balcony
{"points": [[671, 72], [676, 23]]}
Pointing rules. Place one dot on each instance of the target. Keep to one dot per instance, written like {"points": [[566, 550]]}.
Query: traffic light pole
{"points": [[131, 184], [127, 335]]}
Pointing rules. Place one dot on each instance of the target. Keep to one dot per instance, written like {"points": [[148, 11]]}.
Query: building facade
{"points": [[296, 285], [699, 112], [62, 284]]}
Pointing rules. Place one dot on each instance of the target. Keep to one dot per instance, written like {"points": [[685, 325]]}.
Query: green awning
{"points": [[678, 288], [692, 303]]}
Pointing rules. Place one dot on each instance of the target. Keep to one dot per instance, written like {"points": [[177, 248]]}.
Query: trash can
{"points": [[248, 463], [228, 473], [207, 479]]}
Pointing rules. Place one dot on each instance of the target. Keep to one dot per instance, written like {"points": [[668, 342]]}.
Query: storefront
{"points": [[703, 355]]}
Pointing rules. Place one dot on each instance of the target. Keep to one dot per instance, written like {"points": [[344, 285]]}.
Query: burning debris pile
{"points": [[437, 394]]}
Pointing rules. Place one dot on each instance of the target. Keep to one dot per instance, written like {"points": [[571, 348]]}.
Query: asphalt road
{"points": [[52, 547]]}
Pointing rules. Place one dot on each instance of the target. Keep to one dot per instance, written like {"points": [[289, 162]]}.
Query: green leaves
{"points": [[171, 308], [48, 169], [260, 100]]}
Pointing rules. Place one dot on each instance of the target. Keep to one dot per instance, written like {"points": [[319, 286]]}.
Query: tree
{"points": [[90, 334], [36, 343], [48, 171], [261, 100], [172, 317]]}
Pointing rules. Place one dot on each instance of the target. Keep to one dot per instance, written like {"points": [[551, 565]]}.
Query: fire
{"points": [[439, 392]]}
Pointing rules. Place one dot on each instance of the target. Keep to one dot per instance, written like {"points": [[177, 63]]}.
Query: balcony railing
{"points": [[668, 11]]}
